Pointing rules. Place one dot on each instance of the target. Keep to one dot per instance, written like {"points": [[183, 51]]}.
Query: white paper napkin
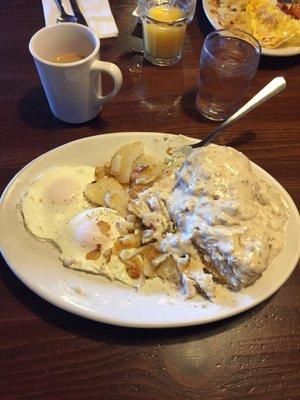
{"points": [[96, 12]]}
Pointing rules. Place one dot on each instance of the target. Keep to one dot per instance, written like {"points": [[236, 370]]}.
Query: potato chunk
{"points": [[100, 172], [96, 191], [134, 267], [168, 270], [132, 240], [117, 200], [122, 161], [146, 169]]}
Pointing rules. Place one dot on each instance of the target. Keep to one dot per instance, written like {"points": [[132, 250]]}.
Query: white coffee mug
{"points": [[74, 89]]}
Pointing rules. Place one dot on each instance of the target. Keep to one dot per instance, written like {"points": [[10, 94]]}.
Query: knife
{"points": [[77, 12]]}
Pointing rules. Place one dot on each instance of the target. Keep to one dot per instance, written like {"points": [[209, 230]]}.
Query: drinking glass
{"points": [[228, 64], [164, 26]]}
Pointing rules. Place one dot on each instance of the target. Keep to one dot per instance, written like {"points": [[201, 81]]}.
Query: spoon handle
{"points": [[272, 88]]}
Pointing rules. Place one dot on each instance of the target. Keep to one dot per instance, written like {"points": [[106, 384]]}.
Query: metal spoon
{"points": [[64, 17], [272, 88]]}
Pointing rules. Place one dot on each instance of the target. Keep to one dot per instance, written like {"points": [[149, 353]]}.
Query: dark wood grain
{"points": [[46, 353]]}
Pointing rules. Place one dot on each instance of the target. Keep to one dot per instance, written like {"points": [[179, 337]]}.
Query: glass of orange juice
{"points": [[164, 26]]}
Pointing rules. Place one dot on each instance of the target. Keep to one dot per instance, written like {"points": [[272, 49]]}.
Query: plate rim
{"points": [[92, 314], [285, 52]]}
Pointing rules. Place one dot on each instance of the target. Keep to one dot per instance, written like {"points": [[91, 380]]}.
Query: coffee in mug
{"points": [[67, 58]]}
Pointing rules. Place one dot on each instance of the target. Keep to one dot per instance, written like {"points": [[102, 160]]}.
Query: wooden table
{"points": [[46, 353]]}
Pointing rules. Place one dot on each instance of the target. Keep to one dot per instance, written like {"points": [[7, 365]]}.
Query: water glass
{"points": [[164, 25], [228, 64]]}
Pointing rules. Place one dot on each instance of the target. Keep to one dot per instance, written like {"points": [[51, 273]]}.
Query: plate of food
{"points": [[274, 23], [107, 228]]}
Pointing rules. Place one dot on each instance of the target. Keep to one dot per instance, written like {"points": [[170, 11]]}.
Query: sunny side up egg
{"points": [[54, 198], [87, 242], [54, 209]]}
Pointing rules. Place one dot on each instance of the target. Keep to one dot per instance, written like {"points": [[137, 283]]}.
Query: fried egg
{"points": [[54, 209], [54, 198], [87, 242]]}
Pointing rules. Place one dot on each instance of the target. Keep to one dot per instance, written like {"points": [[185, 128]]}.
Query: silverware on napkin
{"points": [[77, 12], [64, 16]]}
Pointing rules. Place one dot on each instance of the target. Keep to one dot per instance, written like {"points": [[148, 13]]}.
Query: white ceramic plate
{"points": [[36, 264], [280, 52]]}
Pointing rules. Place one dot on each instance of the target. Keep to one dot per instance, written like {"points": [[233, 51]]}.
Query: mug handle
{"points": [[114, 72]]}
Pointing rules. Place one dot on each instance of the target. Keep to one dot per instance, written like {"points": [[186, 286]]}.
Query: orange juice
{"points": [[164, 40]]}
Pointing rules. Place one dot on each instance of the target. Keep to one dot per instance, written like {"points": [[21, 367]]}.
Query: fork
{"points": [[272, 88], [64, 17]]}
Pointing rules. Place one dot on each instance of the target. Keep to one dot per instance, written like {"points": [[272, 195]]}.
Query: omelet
{"points": [[271, 26], [264, 19]]}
